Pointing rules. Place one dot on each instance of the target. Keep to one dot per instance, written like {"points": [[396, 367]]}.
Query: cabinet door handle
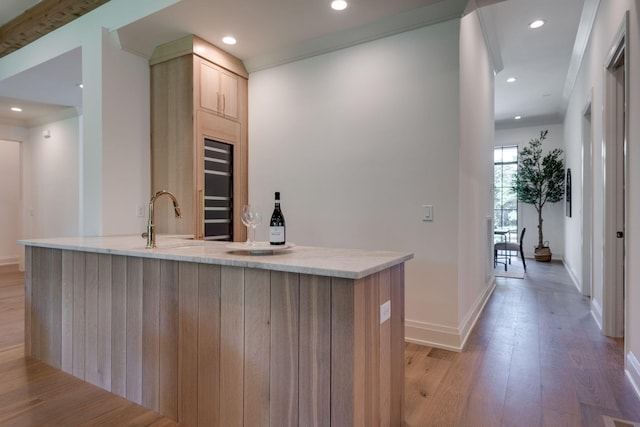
{"points": [[201, 197], [218, 100], [224, 103]]}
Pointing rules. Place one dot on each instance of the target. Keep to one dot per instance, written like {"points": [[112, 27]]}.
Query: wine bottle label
{"points": [[276, 234]]}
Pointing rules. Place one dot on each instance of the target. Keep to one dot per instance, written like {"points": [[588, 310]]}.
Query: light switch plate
{"points": [[427, 212], [140, 211], [385, 312]]}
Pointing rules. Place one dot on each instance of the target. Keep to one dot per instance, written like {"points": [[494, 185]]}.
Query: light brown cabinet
{"points": [[199, 99], [218, 90]]}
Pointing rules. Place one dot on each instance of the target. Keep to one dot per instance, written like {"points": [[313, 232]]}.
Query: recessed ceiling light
{"points": [[517, 117], [536, 24], [229, 40], [16, 109], [339, 5], [80, 85], [511, 79]]}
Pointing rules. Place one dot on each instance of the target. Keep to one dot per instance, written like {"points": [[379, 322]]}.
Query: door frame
{"points": [[614, 263], [587, 198]]}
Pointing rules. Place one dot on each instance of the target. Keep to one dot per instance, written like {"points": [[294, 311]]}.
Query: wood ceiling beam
{"points": [[41, 19]]}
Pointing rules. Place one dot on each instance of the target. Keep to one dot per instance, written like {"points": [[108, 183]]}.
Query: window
{"points": [[505, 202]]}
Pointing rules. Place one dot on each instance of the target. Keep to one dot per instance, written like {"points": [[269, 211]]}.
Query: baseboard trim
{"points": [[447, 337], [474, 314], [573, 276], [432, 335], [596, 313], [9, 261], [632, 370], [8, 268]]}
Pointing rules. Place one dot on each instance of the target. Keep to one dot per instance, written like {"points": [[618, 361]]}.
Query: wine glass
{"points": [[251, 218]]}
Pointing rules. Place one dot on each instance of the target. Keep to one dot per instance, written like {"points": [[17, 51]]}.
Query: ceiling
{"points": [[9, 9], [274, 32]]}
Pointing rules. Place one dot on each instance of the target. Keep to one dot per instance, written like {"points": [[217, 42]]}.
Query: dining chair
{"points": [[506, 248]]}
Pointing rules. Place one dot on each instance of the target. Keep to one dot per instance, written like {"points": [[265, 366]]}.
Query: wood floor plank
{"points": [[554, 418], [422, 377], [523, 397], [623, 393], [556, 396], [487, 393], [592, 389]]}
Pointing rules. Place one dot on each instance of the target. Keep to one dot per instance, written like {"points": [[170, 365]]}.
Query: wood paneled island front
{"points": [[211, 337]]}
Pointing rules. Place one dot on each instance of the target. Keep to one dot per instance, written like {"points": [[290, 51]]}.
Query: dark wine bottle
{"points": [[276, 226]]}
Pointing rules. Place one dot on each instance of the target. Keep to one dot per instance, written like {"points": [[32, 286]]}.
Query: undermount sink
{"points": [[177, 242], [181, 245]]}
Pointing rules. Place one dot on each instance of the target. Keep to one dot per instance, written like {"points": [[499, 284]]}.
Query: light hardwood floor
{"points": [[35, 394], [535, 358]]}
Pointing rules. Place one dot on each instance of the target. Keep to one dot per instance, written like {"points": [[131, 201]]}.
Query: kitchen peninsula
{"points": [[211, 337]]}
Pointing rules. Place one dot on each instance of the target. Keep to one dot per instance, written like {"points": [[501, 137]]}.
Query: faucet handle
{"points": [[144, 235]]}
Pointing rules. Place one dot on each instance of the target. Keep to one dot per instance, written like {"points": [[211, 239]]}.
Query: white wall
{"points": [[126, 162], [476, 281], [51, 180], [357, 141], [13, 133], [115, 160], [573, 226], [10, 201], [553, 214], [113, 163], [589, 85]]}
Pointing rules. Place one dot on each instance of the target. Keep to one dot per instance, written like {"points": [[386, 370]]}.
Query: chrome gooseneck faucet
{"points": [[151, 234]]}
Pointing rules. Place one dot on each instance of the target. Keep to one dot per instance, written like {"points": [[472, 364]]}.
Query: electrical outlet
{"points": [[385, 312], [140, 211]]}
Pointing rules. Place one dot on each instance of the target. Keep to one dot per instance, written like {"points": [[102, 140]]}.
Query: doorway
{"points": [[505, 201], [10, 194], [615, 167]]}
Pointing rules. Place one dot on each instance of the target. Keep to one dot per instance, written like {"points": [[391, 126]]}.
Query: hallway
{"points": [[535, 358]]}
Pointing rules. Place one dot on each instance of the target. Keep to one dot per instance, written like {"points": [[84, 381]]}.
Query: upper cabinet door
{"points": [[229, 90], [218, 90]]}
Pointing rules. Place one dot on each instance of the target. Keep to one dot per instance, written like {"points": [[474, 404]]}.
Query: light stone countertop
{"points": [[343, 263]]}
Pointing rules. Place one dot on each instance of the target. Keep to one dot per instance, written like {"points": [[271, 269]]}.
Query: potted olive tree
{"points": [[540, 179]]}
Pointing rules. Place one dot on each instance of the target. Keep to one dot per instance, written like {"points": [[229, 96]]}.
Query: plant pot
{"points": [[543, 254]]}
